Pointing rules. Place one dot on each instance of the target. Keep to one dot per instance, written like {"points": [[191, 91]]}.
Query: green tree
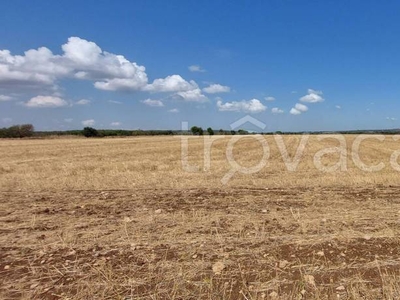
{"points": [[197, 130], [90, 132], [210, 131], [26, 130], [18, 131]]}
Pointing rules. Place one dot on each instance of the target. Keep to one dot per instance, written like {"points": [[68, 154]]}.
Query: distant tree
{"points": [[221, 131], [233, 132], [210, 131], [17, 131], [243, 132], [26, 130], [197, 130], [90, 132]]}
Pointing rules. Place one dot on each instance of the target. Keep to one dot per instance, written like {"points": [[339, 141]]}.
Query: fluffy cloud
{"points": [[269, 98], [250, 106], [115, 124], [312, 96], [83, 102], [34, 68], [82, 60], [192, 96], [277, 110], [294, 111], [216, 88], [112, 72], [173, 83], [5, 98], [298, 109], [174, 110], [153, 103], [90, 122], [196, 68], [338, 107], [82, 52], [46, 101]]}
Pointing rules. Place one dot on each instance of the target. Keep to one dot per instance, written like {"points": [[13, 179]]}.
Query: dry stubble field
{"points": [[120, 219]]}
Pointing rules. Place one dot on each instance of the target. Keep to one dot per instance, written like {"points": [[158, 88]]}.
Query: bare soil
{"points": [[215, 243]]}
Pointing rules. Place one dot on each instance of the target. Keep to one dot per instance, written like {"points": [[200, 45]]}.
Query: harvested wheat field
{"points": [[122, 219]]}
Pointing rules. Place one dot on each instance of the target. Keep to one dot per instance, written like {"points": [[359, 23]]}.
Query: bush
{"points": [[17, 131]]}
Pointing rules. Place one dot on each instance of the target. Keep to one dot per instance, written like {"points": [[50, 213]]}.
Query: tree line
{"points": [[28, 131]]}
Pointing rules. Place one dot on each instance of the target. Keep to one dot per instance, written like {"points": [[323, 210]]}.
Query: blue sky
{"points": [[294, 65]]}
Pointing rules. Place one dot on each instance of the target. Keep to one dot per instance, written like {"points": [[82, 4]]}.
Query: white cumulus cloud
{"points": [[294, 111], [174, 110], [277, 110], [250, 106], [192, 96], [298, 109], [115, 124], [216, 88], [90, 122], [82, 60], [153, 103], [46, 102], [173, 83], [313, 96]]}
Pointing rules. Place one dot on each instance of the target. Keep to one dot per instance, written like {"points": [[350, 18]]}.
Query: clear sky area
{"points": [[293, 65]]}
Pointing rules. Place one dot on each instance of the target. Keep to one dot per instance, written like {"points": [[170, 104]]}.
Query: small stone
{"points": [[340, 288], [321, 253], [6, 267], [218, 267], [283, 264], [264, 211], [127, 220], [273, 295], [158, 211], [72, 252], [367, 237], [194, 256]]}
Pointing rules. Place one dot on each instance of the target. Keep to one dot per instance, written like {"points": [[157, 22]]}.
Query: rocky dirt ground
{"points": [[233, 243]]}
